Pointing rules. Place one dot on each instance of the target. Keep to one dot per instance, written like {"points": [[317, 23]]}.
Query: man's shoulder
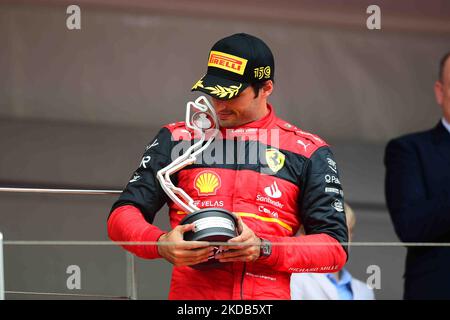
{"points": [[175, 125], [410, 139], [414, 136], [409, 147], [179, 130], [298, 140]]}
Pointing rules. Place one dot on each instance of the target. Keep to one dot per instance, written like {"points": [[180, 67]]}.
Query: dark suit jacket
{"points": [[418, 198]]}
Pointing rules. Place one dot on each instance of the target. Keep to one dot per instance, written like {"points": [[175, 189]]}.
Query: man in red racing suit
{"points": [[293, 181]]}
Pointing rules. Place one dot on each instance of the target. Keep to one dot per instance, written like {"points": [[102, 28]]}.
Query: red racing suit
{"points": [[292, 182]]}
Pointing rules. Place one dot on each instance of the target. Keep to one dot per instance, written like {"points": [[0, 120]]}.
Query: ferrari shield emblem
{"points": [[275, 159]]}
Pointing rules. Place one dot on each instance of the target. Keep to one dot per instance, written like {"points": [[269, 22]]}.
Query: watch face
{"points": [[266, 248]]}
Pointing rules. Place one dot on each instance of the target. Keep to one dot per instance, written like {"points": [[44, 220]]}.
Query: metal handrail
{"points": [[63, 294], [60, 191], [130, 260]]}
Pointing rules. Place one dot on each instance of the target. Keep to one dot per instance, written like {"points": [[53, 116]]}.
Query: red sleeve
{"points": [[311, 253], [126, 223]]}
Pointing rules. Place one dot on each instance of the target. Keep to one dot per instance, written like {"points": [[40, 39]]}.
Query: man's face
{"points": [[442, 90], [238, 111]]}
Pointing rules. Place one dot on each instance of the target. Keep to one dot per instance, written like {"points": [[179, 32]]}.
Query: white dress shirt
{"points": [[446, 124], [317, 286]]}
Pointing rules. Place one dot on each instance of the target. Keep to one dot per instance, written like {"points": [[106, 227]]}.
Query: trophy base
{"points": [[213, 225]]}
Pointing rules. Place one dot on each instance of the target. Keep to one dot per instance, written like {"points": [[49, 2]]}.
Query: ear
{"points": [[439, 92], [267, 89]]}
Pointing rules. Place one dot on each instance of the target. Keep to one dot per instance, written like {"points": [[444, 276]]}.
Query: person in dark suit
{"points": [[418, 198]]}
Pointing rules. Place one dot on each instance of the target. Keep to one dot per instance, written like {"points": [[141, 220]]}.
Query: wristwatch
{"points": [[265, 248]]}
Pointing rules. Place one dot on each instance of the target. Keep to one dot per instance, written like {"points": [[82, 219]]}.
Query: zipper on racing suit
{"points": [[242, 282]]}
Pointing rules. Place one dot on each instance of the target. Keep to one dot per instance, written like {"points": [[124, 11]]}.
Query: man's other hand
{"points": [[244, 248], [179, 252]]}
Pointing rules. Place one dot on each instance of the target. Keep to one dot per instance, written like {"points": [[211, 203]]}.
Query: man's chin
{"points": [[226, 124]]}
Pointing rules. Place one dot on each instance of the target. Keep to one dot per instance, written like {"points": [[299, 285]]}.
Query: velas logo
{"points": [[275, 159], [208, 203], [227, 62], [206, 183]]}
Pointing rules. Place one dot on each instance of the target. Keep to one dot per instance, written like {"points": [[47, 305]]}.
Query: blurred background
{"points": [[77, 108]]}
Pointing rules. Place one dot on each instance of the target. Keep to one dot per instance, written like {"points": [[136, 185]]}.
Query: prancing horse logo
{"points": [[275, 159]]}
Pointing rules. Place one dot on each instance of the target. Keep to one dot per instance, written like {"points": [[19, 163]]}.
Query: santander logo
{"points": [[273, 191]]}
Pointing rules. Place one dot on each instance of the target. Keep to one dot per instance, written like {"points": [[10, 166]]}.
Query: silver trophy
{"points": [[211, 224]]}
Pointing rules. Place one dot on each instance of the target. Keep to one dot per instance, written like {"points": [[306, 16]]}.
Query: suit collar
{"points": [[345, 278], [445, 124], [440, 134], [265, 122], [441, 140]]}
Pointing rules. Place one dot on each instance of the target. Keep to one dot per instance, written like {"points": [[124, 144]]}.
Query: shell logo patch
{"points": [[206, 183], [275, 159]]}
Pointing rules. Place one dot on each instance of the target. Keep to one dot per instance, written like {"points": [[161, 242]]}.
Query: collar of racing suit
{"points": [[265, 122]]}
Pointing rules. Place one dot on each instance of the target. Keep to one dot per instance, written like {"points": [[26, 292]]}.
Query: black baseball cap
{"points": [[234, 63]]}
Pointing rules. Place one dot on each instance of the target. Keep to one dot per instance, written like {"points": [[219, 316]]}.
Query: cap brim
{"points": [[219, 88]]}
